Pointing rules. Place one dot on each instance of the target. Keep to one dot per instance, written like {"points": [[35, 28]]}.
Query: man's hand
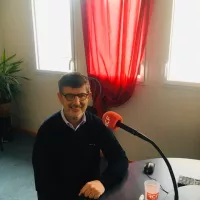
{"points": [[93, 189]]}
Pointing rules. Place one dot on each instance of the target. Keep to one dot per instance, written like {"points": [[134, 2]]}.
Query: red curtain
{"points": [[115, 33]]}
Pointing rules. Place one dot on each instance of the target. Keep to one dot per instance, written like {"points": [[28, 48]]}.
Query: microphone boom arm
{"points": [[134, 132]]}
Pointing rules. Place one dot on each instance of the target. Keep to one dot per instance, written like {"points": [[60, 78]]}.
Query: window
{"points": [[141, 74], [53, 38], [184, 59]]}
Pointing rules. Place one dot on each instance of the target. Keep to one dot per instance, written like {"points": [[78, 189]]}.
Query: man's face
{"points": [[74, 106]]}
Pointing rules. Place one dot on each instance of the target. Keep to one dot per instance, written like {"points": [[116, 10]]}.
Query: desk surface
{"points": [[133, 185]]}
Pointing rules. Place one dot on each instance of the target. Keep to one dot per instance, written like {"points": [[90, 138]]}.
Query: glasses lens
{"points": [[69, 97], [82, 96]]}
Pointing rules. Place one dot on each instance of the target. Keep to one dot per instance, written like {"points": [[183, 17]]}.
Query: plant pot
{"points": [[5, 110]]}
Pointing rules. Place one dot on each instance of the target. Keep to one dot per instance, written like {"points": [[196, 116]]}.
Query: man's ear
{"points": [[59, 97], [90, 95]]}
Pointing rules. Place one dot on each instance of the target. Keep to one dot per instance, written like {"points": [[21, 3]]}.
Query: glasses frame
{"points": [[74, 95]]}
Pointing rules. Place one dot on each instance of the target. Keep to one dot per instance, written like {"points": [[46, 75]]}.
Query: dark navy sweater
{"points": [[64, 160]]}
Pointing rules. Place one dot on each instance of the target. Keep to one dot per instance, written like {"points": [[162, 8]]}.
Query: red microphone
{"points": [[110, 120]]}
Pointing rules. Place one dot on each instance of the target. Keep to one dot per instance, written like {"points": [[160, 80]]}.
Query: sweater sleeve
{"points": [[42, 165], [39, 159], [115, 156]]}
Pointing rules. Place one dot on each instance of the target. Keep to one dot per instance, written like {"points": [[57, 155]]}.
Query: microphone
{"points": [[114, 121]]}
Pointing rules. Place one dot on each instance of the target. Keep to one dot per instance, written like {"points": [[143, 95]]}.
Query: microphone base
{"points": [[189, 192]]}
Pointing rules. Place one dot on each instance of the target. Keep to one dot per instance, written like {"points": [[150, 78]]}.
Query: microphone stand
{"points": [[134, 132]]}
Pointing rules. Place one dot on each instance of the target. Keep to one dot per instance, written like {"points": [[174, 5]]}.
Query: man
{"points": [[66, 153]]}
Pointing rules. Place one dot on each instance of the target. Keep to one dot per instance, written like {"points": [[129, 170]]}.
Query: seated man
{"points": [[66, 153]]}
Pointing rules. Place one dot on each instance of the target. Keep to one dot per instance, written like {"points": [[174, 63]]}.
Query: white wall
{"points": [[1, 29], [168, 114]]}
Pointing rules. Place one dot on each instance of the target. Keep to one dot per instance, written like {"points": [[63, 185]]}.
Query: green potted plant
{"points": [[9, 82]]}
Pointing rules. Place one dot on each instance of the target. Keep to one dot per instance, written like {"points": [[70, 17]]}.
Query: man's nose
{"points": [[76, 100]]}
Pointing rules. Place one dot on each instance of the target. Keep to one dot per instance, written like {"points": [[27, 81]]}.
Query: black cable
{"points": [[160, 185]]}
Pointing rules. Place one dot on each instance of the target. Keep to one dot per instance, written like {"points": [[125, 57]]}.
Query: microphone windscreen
{"points": [[110, 119]]}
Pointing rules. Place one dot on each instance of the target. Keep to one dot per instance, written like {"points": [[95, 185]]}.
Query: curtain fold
{"points": [[115, 34]]}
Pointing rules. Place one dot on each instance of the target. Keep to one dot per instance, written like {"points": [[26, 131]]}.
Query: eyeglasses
{"points": [[71, 97]]}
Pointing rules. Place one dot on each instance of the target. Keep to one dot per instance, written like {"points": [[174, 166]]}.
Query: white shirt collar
{"points": [[69, 124]]}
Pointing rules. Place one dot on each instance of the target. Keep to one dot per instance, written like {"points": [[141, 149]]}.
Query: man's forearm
{"points": [[115, 172]]}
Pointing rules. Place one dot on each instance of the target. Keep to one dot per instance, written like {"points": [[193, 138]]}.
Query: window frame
{"points": [[143, 70]]}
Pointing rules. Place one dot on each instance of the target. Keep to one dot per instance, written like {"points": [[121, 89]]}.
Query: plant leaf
{"points": [[9, 58], [9, 90], [4, 55], [22, 77], [13, 79], [9, 81]]}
